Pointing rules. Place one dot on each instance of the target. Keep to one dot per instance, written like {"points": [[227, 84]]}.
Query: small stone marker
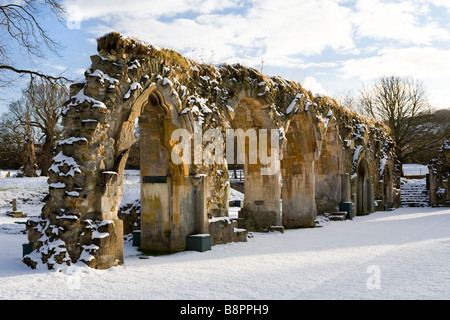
{"points": [[14, 213]]}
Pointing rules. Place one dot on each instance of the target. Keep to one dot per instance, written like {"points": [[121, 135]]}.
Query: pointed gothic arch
{"points": [[304, 138]]}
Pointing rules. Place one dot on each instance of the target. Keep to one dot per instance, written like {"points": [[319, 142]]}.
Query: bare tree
{"points": [[46, 111], [11, 143], [18, 122], [20, 28], [39, 113], [347, 99], [402, 103]]}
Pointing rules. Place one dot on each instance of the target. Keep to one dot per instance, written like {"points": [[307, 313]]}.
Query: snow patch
{"points": [[293, 103], [61, 161]]}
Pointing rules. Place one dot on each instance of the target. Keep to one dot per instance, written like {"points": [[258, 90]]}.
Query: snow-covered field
{"points": [[414, 169], [400, 254]]}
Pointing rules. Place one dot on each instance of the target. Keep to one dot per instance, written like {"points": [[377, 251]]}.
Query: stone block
{"points": [[27, 248], [198, 242], [136, 238], [16, 214], [276, 228], [348, 207], [236, 203]]}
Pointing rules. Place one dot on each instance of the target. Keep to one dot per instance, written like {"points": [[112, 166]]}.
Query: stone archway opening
{"points": [[364, 189], [171, 205], [261, 208], [298, 174], [155, 178], [171, 200]]}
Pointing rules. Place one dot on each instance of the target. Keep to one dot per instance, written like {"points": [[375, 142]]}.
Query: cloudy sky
{"points": [[330, 46]]}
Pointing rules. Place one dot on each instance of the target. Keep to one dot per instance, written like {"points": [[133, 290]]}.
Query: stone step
{"points": [[413, 198], [337, 216], [415, 188], [414, 195], [421, 193]]}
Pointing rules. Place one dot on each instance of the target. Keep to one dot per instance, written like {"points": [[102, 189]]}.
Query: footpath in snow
{"points": [[400, 254]]}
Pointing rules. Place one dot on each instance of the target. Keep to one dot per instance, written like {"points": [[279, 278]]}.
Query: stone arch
{"points": [[149, 107], [169, 207], [86, 181], [303, 143], [262, 192], [164, 185]]}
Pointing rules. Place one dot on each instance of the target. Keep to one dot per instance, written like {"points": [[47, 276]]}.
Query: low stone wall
{"points": [[225, 230]]}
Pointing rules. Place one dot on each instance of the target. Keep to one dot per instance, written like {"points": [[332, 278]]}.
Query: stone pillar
{"points": [[432, 187], [345, 188], [201, 222], [102, 243], [298, 194], [370, 196]]}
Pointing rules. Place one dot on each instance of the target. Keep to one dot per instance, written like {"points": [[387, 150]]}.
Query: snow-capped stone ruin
{"points": [[326, 155], [439, 177]]}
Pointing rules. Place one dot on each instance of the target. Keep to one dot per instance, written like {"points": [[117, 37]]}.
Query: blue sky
{"points": [[329, 46]]}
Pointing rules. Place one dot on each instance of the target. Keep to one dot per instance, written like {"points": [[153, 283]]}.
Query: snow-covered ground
{"points": [[400, 254], [414, 169]]}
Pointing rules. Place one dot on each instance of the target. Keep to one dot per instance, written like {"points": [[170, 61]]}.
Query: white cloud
{"points": [[428, 64], [439, 3], [300, 27], [264, 29], [422, 63], [290, 35], [58, 67], [89, 9], [318, 65], [79, 71], [311, 84], [396, 20]]}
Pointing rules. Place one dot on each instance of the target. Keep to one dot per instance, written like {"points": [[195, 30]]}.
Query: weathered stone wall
{"points": [[321, 142], [439, 177]]}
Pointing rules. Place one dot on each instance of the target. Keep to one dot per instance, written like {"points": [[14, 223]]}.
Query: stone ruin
{"points": [[439, 176], [328, 156]]}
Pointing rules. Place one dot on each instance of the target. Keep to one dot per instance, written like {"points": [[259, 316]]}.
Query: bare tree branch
{"points": [[19, 23], [34, 73]]}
